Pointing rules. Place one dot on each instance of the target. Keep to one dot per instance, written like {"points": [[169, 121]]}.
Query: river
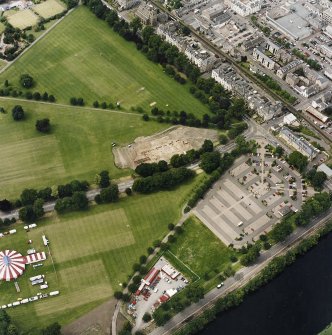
{"points": [[298, 302]]}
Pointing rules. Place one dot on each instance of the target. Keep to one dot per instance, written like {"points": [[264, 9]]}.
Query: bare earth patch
{"points": [[162, 146]]}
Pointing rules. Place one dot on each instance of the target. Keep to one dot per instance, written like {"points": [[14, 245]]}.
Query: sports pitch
{"points": [[78, 147], [49, 8], [93, 253], [98, 64]]}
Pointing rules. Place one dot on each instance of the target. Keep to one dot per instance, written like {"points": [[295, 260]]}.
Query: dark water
{"points": [[298, 302]]}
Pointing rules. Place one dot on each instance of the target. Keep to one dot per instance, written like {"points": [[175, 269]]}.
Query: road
{"points": [[242, 276], [49, 206]]}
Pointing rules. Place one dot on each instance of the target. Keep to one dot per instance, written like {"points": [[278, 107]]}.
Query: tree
{"points": [[104, 179], [52, 329], [5, 205], [18, 113], [26, 81], [171, 226], [147, 317], [12, 330], [118, 295], [207, 146], [250, 257], [146, 117], [28, 196], [27, 214], [135, 24], [223, 139], [142, 259], [43, 125], [38, 208], [298, 160], [79, 201], [281, 231], [210, 161], [109, 194]]}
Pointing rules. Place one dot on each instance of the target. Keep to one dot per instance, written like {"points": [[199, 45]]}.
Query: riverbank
{"points": [[235, 298]]}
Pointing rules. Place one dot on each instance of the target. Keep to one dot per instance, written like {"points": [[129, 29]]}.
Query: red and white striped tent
{"points": [[34, 258], [12, 265]]}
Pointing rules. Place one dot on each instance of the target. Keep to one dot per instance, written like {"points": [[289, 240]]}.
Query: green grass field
{"points": [[206, 259], [79, 145], [97, 64], [93, 253]]}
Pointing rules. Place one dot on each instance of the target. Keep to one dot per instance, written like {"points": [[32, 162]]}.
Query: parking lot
{"points": [[251, 197]]}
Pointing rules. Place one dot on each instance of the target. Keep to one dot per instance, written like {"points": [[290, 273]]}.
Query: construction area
{"points": [[161, 146]]}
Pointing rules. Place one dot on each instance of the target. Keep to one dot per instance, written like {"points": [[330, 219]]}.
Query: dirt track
{"points": [[162, 146]]}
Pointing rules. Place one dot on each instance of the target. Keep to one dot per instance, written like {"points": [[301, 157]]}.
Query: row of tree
{"points": [[77, 202], [216, 165], [163, 180]]}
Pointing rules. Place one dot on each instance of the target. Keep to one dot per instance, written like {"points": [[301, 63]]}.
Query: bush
{"points": [[128, 191], [150, 250]]}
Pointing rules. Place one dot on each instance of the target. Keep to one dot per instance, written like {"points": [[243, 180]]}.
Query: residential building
{"points": [[272, 47], [298, 143], [252, 43], [244, 7], [127, 4], [204, 60], [327, 16], [147, 13], [292, 66], [266, 61], [325, 50], [290, 118], [318, 115]]}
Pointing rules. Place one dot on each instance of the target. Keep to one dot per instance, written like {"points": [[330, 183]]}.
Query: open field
{"points": [[93, 253], [162, 146], [49, 8], [97, 64], [205, 259], [23, 18], [78, 147]]}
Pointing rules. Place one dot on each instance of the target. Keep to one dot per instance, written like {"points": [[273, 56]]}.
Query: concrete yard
{"points": [[162, 146], [248, 200]]}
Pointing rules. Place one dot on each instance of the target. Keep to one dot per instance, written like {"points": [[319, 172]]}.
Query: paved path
{"points": [[49, 206]]}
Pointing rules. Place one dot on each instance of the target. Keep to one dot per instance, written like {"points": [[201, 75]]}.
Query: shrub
{"points": [[18, 113]]}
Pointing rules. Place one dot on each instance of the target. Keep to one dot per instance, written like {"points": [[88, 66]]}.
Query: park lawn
{"points": [[78, 147], [199, 249], [98, 64], [93, 252]]}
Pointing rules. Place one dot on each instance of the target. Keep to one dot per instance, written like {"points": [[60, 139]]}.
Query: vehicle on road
{"points": [[220, 285]]}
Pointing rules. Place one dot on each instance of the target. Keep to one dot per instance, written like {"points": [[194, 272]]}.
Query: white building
{"points": [[244, 7], [126, 4]]}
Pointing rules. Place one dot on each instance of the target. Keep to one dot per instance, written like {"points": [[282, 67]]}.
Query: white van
{"points": [[240, 224]]}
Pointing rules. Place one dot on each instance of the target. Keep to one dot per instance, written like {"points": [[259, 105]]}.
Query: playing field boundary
{"points": [[69, 106]]}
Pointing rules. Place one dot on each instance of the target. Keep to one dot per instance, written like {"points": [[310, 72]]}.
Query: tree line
{"points": [[175, 63], [70, 196]]}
